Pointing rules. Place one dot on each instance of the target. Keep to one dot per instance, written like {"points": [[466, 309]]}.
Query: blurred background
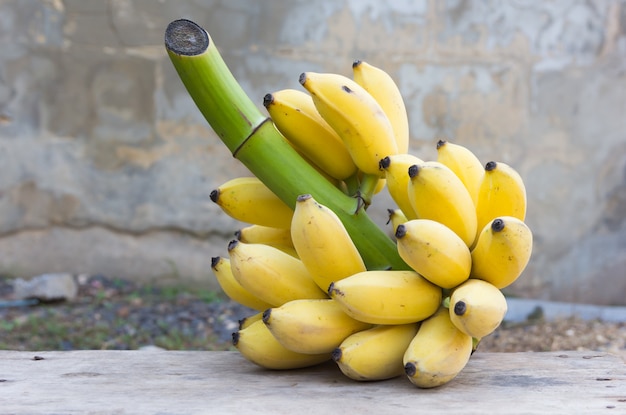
{"points": [[107, 165]]}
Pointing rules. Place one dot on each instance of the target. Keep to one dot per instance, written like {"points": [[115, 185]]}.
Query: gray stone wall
{"points": [[107, 165]]}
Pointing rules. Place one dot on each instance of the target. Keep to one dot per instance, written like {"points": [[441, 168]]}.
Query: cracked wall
{"points": [[107, 165]]}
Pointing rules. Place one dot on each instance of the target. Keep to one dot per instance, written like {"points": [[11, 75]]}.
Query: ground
{"points": [[118, 314]]}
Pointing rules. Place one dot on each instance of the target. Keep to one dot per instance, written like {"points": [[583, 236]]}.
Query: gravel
{"points": [[117, 314]]}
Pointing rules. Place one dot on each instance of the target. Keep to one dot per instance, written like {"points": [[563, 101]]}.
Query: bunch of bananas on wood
{"points": [[458, 226]]}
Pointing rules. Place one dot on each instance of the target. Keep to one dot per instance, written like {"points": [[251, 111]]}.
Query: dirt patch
{"points": [[118, 314]]}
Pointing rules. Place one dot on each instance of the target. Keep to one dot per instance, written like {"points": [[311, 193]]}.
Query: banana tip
{"points": [[266, 316], [215, 195], [235, 336], [303, 198], [302, 78], [460, 308], [400, 231], [413, 170], [384, 163], [333, 291], [336, 354], [214, 261], [491, 165], [268, 99], [410, 369], [232, 244], [497, 225]]}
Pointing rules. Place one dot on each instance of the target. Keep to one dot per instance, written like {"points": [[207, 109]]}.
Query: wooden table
{"points": [[168, 382]]}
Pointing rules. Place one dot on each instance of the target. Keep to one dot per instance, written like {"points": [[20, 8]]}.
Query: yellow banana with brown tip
{"points": [[248, 320], [387, 296], [502, 193], [396, 217], [385, 91], [249, 200], [438, 194], [356, 117], [311, 326], [271, 274], [396, 168], [232, 288], [277, 237], [376, 353], [322, 242], [502, 251], [464, 163], [438, 352], [434, 251], [296, 117], [257, 344], [477, 308]]}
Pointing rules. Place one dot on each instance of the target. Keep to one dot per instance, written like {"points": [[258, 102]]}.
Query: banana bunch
{"points": [[458, 225]]}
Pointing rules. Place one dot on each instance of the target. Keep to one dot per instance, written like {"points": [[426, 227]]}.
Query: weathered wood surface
{"points": [[146, 382]]}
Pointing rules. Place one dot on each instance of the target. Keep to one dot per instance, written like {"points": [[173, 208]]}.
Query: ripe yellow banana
{"points": [[271, 274], [502, 251], [396, 168], [437, 193], [323, 243], [434, 251], [248, 200], [385, 91], [501, 193], [464, 163], [296, 117], [258, 234], [477, 308], [248, 320], [311, 326], [387, 296], [232, 288], [376, 353], [256, 344], [437, 353], [355, 115], [396, 217]]}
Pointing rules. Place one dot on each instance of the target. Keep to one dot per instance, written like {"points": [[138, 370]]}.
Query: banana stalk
{"points": [[252, 139]]}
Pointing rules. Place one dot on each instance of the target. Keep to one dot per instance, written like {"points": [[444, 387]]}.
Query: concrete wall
{"points": [[107, 165]]}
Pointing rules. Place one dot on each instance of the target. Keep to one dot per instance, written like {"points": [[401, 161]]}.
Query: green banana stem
{"points": [[367, 187], [253, 140]]}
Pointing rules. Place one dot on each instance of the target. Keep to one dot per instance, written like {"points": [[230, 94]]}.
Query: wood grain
{"points": [[194, 382]]}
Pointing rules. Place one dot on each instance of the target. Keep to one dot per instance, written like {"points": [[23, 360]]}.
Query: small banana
{"points": [[464, 163], [501, 193], [387, 296], [502, 251], [256, 343], [396, 168], [477, 308], [296, 117], [385, 91], [271, 274], [356, 117], [258, 234], [437, 193], [248, 200], [232, 288], [248, 320], [438, 352], [376, 353], [311, 326], [396, 217], [434, 251], [323, 243]]}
